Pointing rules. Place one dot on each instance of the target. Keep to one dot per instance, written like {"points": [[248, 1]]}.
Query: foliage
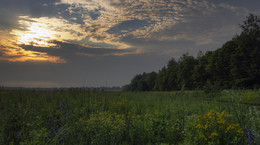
{"points": [[144, 82], [215, 128], [78, 116], [236, 65]]}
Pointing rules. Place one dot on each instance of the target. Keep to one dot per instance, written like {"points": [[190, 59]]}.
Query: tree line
{"points": [[236, 65]]}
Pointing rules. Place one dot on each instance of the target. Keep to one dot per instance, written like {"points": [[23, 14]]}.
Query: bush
{"points": [[215, 128]]}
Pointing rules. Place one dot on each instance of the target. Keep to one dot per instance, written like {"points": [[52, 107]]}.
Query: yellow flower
{"points": [[221, 121], [199, 126], [203, 136], [206, 126], [240, 131], [199, 118], [230, 127], [212, 124], [213, 135]]}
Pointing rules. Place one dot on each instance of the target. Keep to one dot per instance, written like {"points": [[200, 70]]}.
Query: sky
{"points": [[93, 43]]}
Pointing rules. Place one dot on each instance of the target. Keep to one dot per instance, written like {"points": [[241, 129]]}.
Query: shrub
{"points": [[215, 128]]}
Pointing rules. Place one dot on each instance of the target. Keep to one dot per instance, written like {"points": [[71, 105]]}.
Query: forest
{"points": [[236, 65]]}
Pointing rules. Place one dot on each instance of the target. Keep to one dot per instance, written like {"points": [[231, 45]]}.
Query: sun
{"points": [[36, 34]]}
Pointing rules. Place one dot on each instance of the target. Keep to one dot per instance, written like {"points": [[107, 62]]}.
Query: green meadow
{"points": [[81, 117]]}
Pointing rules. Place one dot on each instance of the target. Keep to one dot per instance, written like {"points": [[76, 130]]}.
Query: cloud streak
{"points": [[13, 53]]}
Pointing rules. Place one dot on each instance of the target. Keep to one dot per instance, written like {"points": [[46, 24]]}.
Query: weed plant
{"points": [[78, 116]]}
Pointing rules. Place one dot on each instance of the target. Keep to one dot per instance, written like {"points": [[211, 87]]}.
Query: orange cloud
{"points": [[14, 53], [125, 53]]}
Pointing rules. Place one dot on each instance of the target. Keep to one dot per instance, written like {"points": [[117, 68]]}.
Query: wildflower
{"points": [[221, 121], [18, 134], [213, 127], [203, 136], [213, 135], [199, 126], [230, 127], [206, 126], [240, 131], [251, 136]]}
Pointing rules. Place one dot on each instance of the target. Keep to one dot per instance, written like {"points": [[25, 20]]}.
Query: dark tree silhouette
{"points": [[236, 65]]}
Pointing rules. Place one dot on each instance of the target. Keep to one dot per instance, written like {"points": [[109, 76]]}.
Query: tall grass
{"points": [[99, 117]]}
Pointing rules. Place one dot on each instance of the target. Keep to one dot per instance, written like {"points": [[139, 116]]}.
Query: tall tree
{"points": [[172, 70], [245, 60], [185, 71], [200, 75], [161, 82]]}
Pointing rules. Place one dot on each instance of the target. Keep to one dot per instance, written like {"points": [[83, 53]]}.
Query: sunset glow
{"points": [[15, 53], [36, 35], [92, 42]]}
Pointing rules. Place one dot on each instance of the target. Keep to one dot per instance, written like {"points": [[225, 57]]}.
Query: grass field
{"points": [[81, 117]]}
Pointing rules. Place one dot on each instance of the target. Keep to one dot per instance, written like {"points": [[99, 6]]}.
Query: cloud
{"points": [[13, 53], [41, 31], [112, 20], [199, 29], [112, 53], [70, 51], [31, 8], [10, 10], [85, 50], [38, 32], [93, 42], [235, 9], [130, 26], [98, 16]]}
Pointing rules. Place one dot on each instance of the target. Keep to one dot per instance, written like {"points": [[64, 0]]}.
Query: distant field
{"points": [[78, 116]]}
